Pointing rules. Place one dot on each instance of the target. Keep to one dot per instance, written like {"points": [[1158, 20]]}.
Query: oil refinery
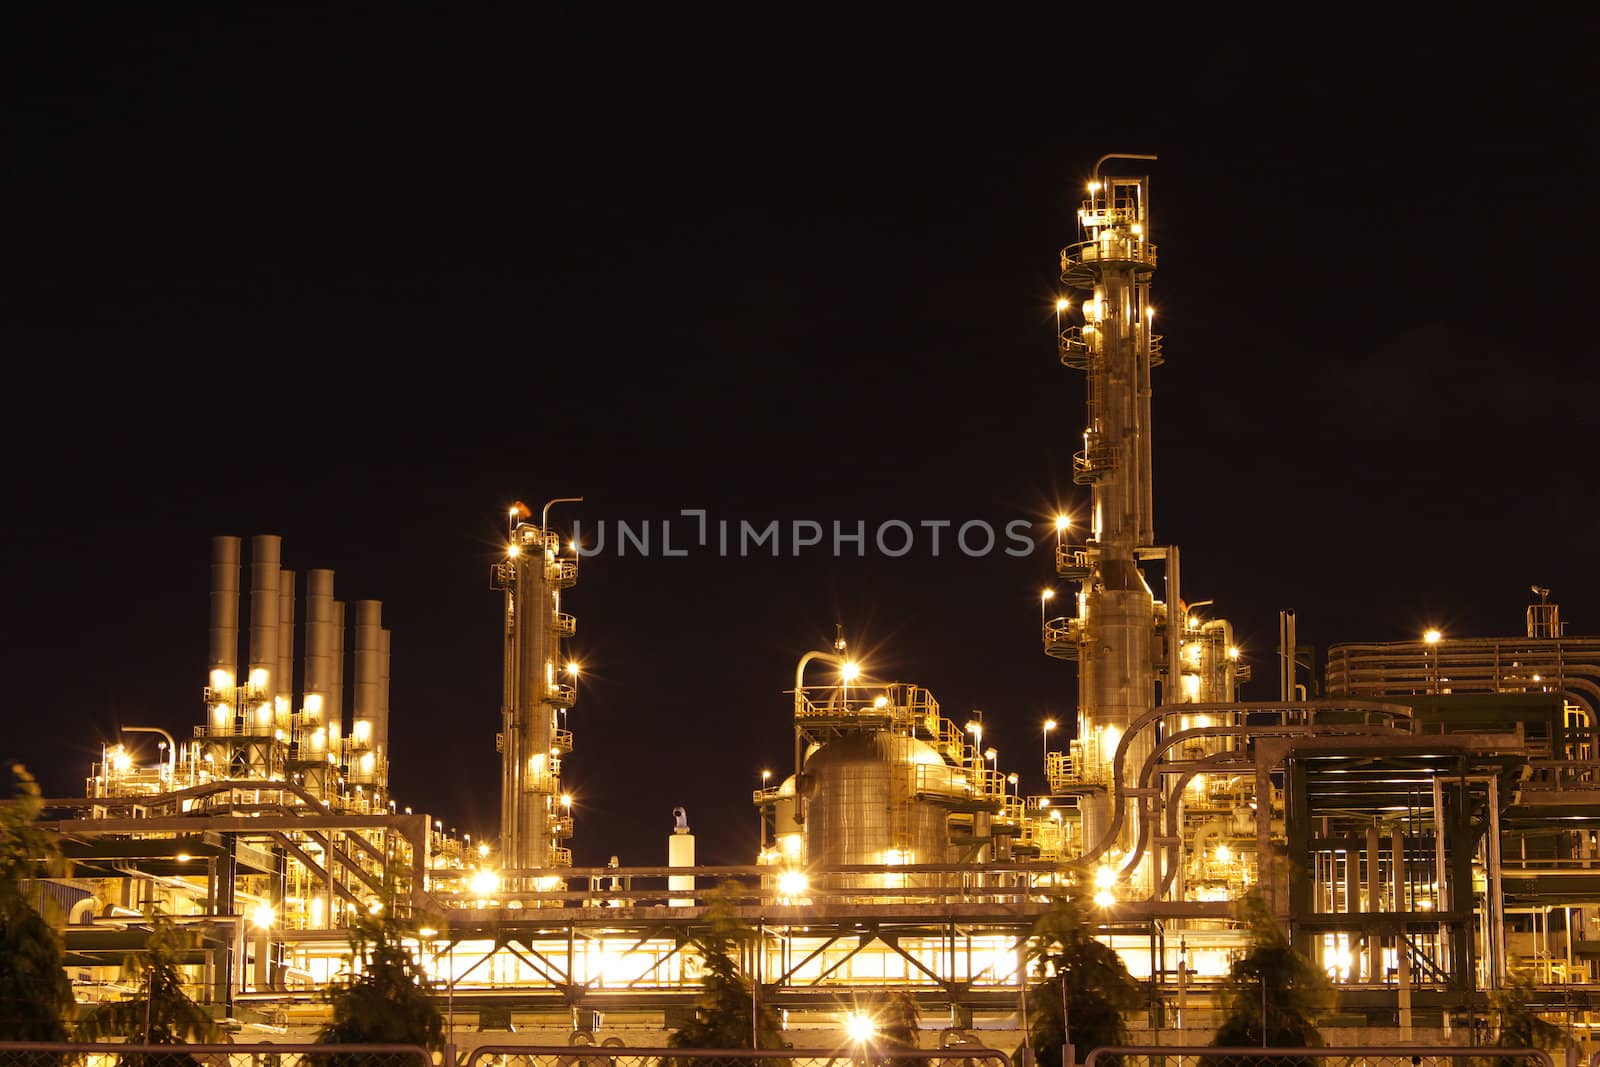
{"points": [[1421, 816]]}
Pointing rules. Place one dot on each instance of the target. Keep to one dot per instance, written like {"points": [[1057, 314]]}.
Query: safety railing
{"points": [[561, 695], [1074, 349], [263, 1054], [1094, 463], [1109, 248], [1364, 1056], [563, 625], [609, 1054], [1071, 562], [561, 573], [1061, 637]]}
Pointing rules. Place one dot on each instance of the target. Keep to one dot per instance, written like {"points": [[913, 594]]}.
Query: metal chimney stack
{"points": [[265, 577], [368, 690], [223, 665], [318, 684]]}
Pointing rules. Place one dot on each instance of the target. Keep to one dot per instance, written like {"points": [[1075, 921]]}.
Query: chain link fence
{"points": [[618, 1055], [1369, 1056], [26, 1054]]}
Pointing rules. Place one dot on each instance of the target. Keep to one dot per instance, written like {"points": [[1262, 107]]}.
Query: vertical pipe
{"points": [[283, 701], [336, 730], [264, 575], [1497, 914], [1175, 627], [1352, 880], [1397, 867], [1286, 665], [1374, 903], [380, 724]]}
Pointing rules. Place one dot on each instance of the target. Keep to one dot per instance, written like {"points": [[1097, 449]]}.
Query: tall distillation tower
{"points": [[540, 685], [1115, 628]]}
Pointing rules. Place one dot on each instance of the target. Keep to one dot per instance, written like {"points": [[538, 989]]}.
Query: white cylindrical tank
{"points": [[680, 853], [224, 659], [264, 579]]}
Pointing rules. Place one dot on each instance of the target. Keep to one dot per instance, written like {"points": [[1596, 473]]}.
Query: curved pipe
{"points": [[172, 746], [1116, 155], [83, 911], [1150, 768], [1309, 707], [544, 516]]}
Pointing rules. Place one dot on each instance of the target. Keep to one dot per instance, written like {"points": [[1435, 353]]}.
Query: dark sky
{"points": [[362, 281]]}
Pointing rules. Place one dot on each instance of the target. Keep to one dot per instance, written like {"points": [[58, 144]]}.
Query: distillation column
{"points": [[1116, 611], [538, 687]]}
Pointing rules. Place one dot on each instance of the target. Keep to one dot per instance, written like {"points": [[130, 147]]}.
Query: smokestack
{"points": [[316, 708], [368, 685], [223, 667], [264, 575], [283, 704]]}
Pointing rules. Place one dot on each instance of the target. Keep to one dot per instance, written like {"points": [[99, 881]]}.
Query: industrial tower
{"points": [[1113, 636], [540, 686]]}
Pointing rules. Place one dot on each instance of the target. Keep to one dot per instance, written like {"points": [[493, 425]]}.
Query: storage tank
{"points": [[868, 801]]}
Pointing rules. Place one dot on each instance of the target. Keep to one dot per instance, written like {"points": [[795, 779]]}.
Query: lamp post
{"points": [[1431, 638], [1044, 598], [1049, 724], [761, 813]]}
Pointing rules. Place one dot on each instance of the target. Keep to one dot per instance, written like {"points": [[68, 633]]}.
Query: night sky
{"points": [[362, 282]]}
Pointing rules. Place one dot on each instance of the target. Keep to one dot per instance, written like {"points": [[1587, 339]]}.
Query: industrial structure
{"points": [[1423, 818]]}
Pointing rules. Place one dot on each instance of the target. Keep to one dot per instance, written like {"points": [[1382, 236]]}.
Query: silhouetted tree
{"points": [[386, 998], [1074, 967], [724, 1016], [1273, 993], [1520, 1025], [35, 994], [160, 1013]]}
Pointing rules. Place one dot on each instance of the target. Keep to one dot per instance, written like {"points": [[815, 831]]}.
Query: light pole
{"points": [[1049, 724], [1431, 638], [1044, 598], [761, 812]]}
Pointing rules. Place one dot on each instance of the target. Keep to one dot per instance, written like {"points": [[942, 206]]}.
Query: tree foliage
{"points": [[724, 1015], [1077, 971], [35, 995], [1520, 1025], [386, 998], [161, 1012], [1273, 993]]}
